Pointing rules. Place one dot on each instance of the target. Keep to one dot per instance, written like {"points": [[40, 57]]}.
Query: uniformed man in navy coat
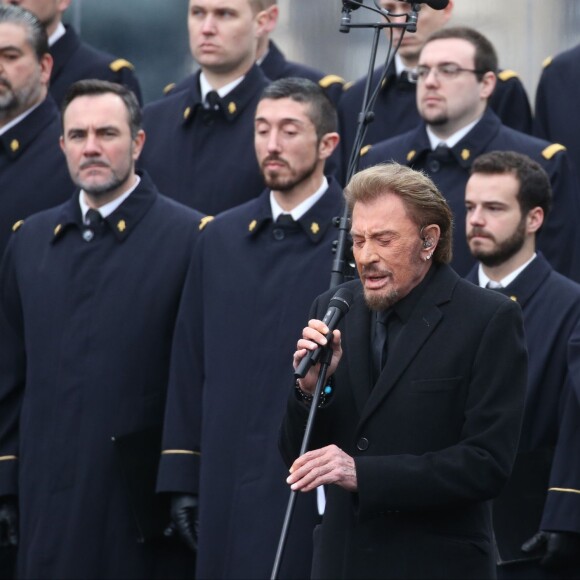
{"points": [[248, 292], [557, 98], [507, 199], [455, 78], [89, 292], [200, 148], [275, 65], [33, 173], [420, 429], [73, 59], [395, 110]]}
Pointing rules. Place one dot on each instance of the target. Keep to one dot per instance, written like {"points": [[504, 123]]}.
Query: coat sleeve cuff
{"points": [[179, 471]]}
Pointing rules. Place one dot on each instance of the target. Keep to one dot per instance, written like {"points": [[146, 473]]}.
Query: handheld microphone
{"points": [[435, 4], [338, 306]]}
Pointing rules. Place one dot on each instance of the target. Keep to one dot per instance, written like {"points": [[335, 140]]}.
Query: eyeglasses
{"points": [[445, 72]]}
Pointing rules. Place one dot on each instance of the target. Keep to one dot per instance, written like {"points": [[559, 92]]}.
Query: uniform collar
{"points": [[466, 150], [273, 61], [121, 222], [234, 103], [315, 222], [528, 280], [63, 50], [16, 140]]}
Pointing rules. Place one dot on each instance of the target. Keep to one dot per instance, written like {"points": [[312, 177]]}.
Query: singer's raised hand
{"points": [[313, 336]]}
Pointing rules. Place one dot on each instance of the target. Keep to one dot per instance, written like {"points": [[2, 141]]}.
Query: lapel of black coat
{"points": [[423, 321]]}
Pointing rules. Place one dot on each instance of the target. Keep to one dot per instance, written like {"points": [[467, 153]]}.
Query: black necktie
{"points": [[213, 101], [404, 81], [93, 218], [494, 285], [381, 341], [285, 219]]}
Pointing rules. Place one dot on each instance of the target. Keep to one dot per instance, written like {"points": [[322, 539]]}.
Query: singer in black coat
{"points": [[558, 241], [246, 297], [433, 439]]}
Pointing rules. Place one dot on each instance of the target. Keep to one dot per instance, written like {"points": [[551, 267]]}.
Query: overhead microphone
{"points": [[347, 7], [338, 306]]}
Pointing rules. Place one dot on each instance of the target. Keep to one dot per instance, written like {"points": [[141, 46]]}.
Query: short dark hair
{"points": [[535, 189], [423, 202], [321, 111], [94, 87], [485, 59], [36, 33]]}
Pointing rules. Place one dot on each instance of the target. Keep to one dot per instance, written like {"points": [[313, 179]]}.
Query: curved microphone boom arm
{"points": [[343, 223], [366, 115]]}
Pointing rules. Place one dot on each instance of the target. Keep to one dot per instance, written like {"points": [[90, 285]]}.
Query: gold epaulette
{"points": [[119, 64], [204, 221], [506, 75], [552, 149], [328, 80]]}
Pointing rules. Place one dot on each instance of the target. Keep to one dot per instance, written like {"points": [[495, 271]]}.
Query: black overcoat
{"points": [[433, 440]]}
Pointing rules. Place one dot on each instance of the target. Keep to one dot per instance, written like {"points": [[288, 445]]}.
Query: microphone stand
{"points": [[365, 117], [326, 357]]}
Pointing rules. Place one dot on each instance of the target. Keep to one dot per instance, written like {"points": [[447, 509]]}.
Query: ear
{"points": [[534, 220], [488, 83], [271, 18], [266, 20], [62, 5], [61, 142], [138, 144], [327, 145], [46, 63], [430, 238]]}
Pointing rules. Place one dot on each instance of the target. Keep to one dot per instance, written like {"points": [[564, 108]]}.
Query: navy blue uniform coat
{"points": [[551, 309], [205, 159], [246, 298], [557, 99], [275, 66], [33, 171], [433, 440], [558, 239], [396, 108], [86, 336], [75, 60]]}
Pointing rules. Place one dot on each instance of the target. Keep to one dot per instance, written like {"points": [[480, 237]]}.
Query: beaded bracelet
{"points": [[325, 395]]}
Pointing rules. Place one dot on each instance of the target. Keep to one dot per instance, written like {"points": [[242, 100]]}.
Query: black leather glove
{"points": [[561, 549], [184, 518], [8, 522]]}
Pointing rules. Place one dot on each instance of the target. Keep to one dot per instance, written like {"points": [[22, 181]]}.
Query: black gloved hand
{"points": [[8, 522], [184, 518], [560, 548]]}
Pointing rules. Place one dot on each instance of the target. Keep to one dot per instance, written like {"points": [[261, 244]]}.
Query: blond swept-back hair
{"points": [[424, 203]]}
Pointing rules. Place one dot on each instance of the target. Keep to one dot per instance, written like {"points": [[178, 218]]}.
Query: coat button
{"points": [[363, 444], [434, 165], [278, 234]]}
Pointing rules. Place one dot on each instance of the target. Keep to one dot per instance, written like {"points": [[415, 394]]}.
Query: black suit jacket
{"points": [[433, 440]]}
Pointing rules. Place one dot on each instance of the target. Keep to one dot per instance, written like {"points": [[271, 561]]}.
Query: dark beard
{"points": [[277, 183], [504, 250]]}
